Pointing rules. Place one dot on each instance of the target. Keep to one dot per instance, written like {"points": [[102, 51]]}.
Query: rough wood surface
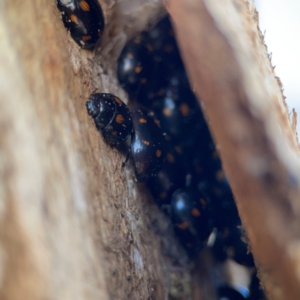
{"points": [[73, 223], [231, 73]]}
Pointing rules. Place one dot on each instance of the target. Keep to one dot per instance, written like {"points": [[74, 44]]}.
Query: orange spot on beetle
{"points": [[84, 6], [86, 38], [142, 121], [170, 158], [167, 112], [138, 69], [130, 55], [184, 225], [196, 212], [119, 119], [157, 123], [184, 109], [73, 18]]}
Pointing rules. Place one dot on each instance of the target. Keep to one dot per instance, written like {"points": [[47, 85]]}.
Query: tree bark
{"points": [[73, 223], [231, 72]]}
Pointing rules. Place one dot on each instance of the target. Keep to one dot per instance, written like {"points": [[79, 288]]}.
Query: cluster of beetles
{"points": [[171, 147]]}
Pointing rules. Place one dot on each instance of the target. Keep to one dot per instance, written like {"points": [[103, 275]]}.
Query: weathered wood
{"points": [[229, 68], [73, 223]]}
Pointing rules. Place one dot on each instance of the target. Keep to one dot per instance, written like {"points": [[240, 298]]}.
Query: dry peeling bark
{"points": [[229, 68]]}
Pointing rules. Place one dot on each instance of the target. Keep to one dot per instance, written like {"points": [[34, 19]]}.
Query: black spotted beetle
{"points": [[84, 19], [116, 123], [112, 117], [190, 186], [178, 112], [147, 145], [171, 177], [135, 65], [191, 218]]}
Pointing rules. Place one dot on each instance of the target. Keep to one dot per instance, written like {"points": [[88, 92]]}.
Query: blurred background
{"points": [[280, 20]]}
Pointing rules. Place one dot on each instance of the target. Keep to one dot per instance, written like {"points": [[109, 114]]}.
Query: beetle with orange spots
{"points": [[192, 221], [178, 112], [147, 145], [161, 43], [165, 183], [135, 65], [111, 116], [171, 177], [116, 123], [83, 19]]}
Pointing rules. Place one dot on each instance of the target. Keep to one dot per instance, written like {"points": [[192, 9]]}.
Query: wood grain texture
{"points": [[230, 70], [73, 223]]}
